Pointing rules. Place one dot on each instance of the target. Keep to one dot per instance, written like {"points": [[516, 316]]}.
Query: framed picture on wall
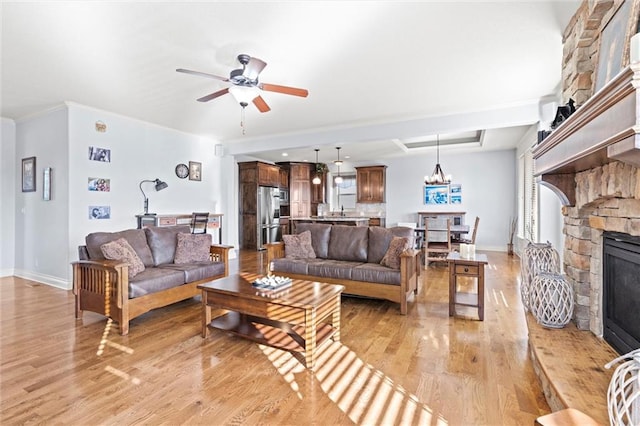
{"points": [[436, 194], [455, 193], [99, 154], [29, 174], [99, 184], [613, 53], [99, 212], [195, 170]]}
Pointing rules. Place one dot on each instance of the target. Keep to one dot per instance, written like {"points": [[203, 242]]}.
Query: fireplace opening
{"points": [[621, 291]]}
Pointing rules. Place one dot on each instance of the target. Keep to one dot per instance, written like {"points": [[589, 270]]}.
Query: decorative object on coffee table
{"points": [[623, 396], [536, 257], [551, 300]]}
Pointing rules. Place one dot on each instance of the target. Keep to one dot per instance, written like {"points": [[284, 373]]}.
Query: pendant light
{"points": [[316, 180], [438, 176], [338, 163]]}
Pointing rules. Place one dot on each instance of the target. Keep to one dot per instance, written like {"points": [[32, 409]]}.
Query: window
{"points": [[528, 199]]}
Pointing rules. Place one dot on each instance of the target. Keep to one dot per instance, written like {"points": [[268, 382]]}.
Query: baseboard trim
{"points": [[44, 279], [6, 273]]}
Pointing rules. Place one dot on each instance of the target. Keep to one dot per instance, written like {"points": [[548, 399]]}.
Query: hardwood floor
{"points": [[422, 368]]}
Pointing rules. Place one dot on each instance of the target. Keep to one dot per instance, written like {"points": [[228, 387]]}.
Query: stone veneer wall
{"points": [[607, 199]]}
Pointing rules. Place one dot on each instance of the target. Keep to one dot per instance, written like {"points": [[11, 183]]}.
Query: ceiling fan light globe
{"points": [[243, 94]]}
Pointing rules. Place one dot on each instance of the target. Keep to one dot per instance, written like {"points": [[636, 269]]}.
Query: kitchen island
{"points": [[330, 220]]}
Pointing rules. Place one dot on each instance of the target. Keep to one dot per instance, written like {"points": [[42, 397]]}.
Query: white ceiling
{"points": [[379, 73]]}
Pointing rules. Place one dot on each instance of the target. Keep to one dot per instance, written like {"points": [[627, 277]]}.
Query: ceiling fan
{"points": [[246, 78]]}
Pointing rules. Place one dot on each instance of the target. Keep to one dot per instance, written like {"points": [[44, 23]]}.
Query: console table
{"points": [[215, 221], [472, 268]]}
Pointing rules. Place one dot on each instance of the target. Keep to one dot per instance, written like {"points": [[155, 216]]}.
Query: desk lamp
{"points": [[160, 185]]}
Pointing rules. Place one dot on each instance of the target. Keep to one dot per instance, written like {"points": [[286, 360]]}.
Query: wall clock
{"points": [[182, 171]]}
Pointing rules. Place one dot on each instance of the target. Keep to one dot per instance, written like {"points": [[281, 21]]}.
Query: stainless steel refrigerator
{"points": [[268, 215]]}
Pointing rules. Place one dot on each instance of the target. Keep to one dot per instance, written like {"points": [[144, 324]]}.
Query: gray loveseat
{"points": [[104, 286], [350, 256]]}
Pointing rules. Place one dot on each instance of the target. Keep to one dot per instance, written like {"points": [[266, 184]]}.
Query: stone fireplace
{"points": [[607, 199], [591, 161]]}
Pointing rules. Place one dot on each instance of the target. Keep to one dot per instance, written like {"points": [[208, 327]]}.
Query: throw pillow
{"points": [[397, 246], [192, 248], [298, 246], [121, 250]]}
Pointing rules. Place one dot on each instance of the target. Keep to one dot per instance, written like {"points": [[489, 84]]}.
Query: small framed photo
{"points": [[455, 194], [99, 184], [195, 170], [99, 212], [29, 174], [99, 154]]}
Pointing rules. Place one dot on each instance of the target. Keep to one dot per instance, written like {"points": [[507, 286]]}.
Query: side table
{"points": [[470, 268]]}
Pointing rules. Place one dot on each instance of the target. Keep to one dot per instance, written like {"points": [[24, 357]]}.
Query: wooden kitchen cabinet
{"points": [[371, 182], [299, 188], [252, 175], [284, 177], [268, 175]]}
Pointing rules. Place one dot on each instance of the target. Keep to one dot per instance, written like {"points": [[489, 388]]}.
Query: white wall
{"points": [[8, 186], [488, 182], [48, 233], [139, 151], [42, 226]]}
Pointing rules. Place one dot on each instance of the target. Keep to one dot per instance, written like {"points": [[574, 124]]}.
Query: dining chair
{"points": [[439, 249], [472, 240], [199, 221]]}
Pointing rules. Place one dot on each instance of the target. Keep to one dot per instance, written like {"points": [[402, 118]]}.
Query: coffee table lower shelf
{"points": [[272, 333]]}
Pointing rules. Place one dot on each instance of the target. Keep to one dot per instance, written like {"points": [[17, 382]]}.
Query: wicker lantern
{"points": [[623, 396], [537, 257], [551, 300]]}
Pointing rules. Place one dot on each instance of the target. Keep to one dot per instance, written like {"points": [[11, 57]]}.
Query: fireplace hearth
{"points": [[621, 291]]}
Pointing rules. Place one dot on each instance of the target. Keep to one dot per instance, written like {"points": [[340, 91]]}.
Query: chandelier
{"points": [[338, 163], [316, 180], [438, 175]]}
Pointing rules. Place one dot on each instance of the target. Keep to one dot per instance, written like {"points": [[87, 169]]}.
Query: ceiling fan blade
{"points": [[214, 95], [261, 104], [202, 74], [253, 68], [284, 89]]}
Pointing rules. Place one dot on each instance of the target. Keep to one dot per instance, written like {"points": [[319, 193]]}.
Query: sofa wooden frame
{"points": [[102, 286], [410, 266]]}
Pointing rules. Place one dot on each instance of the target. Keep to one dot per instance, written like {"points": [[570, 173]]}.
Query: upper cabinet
{"points": [[371, 182], [284, 178], [268, 175], [260, 174]]}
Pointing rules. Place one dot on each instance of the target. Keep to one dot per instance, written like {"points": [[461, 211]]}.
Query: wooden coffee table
{"points": [[297, 319]]}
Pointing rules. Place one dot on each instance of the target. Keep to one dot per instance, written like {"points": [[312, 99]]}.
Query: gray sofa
{"points": [[350, 256], [104, 286]]}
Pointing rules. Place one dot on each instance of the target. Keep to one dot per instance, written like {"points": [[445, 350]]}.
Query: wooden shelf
{"points": [[267, 332]]}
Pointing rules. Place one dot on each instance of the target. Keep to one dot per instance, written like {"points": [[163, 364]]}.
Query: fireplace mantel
{"points": [[606, 128]]}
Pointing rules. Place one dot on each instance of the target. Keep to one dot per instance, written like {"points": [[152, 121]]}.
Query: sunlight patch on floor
{"points": [[122, 375], [365, 394]]}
